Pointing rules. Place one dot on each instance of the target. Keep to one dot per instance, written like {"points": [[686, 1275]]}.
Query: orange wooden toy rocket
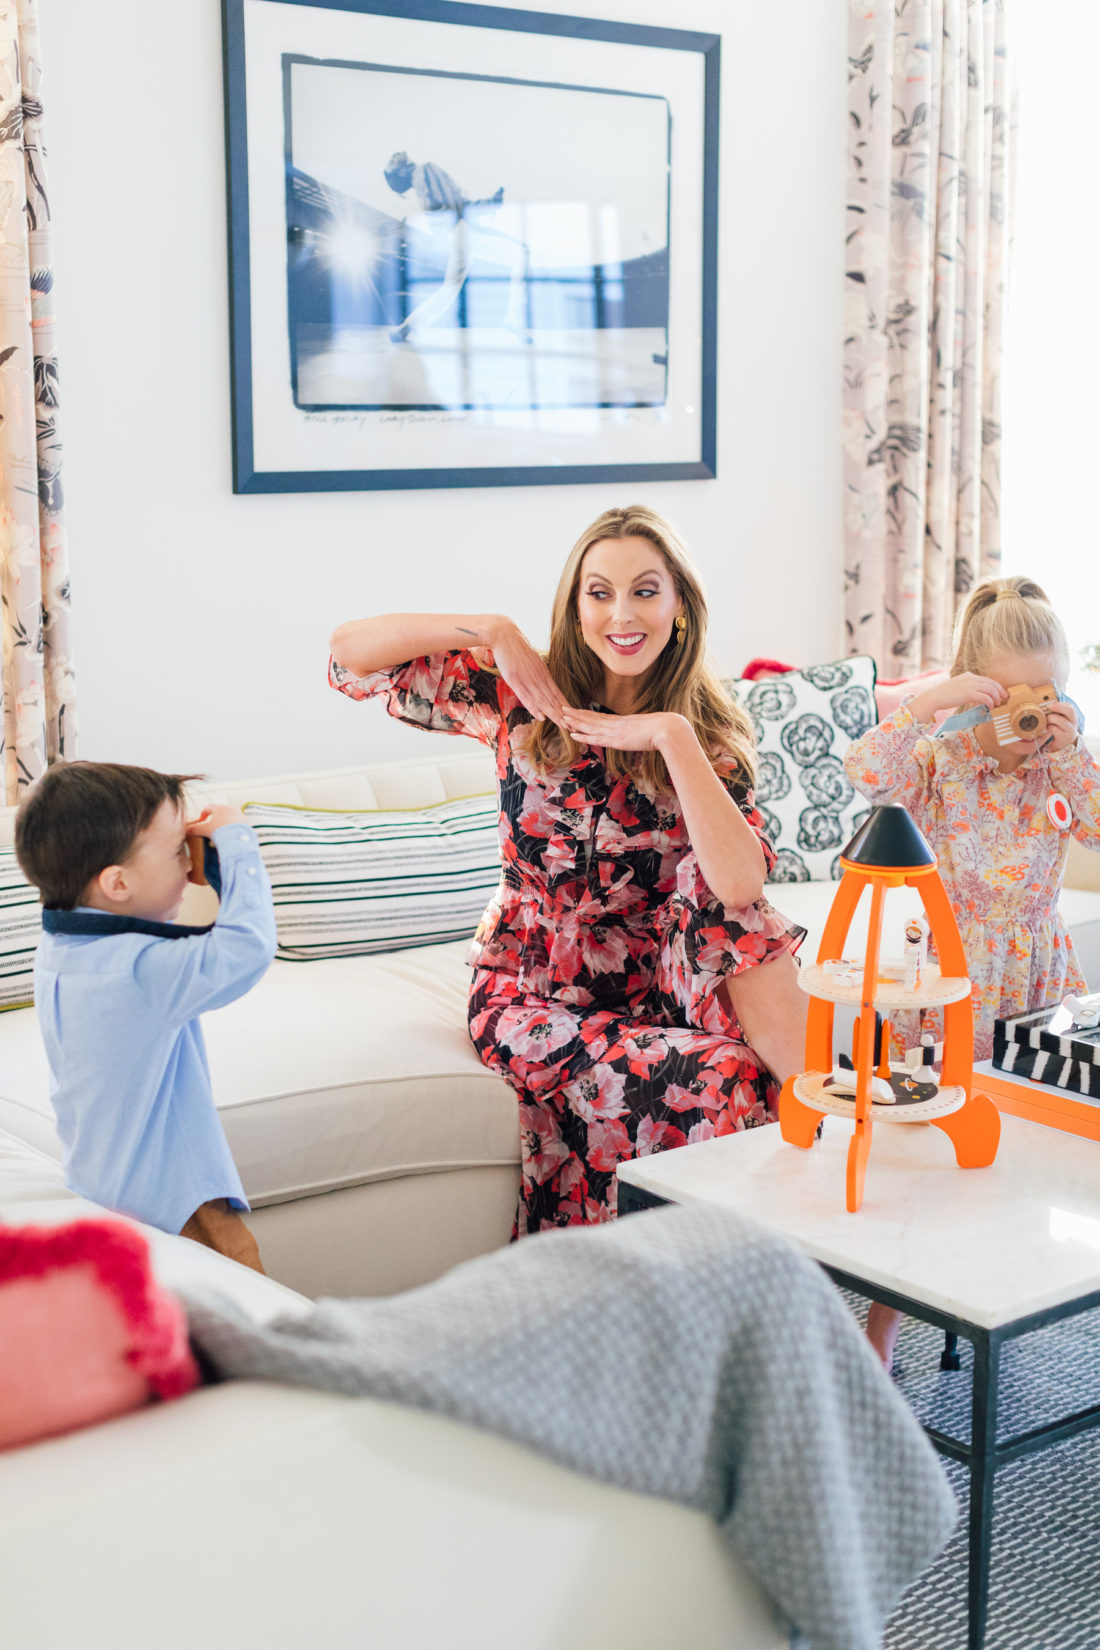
{"points": [[888, 851]]}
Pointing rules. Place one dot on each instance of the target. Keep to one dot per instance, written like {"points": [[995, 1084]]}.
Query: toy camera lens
{"points": [[1029, 723]]}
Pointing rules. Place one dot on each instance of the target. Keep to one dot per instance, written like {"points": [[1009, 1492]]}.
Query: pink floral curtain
{"points": [[931, 150], [37, 686]]}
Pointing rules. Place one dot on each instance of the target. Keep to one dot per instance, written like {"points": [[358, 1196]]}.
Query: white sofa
{"points": [[256, 1515], [376, 1149]]}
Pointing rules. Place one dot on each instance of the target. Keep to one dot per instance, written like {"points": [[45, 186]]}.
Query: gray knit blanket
{"points": [[686, 1353]]}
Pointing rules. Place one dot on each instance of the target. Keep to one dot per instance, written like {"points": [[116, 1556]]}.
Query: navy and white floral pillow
{"points": [[804, 723]]}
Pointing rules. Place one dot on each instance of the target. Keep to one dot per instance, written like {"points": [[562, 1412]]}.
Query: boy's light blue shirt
{"points": [[128, 1074]]}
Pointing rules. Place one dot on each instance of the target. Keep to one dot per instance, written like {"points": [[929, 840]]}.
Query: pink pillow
{"points": [[889, 695], [86, 1330]]}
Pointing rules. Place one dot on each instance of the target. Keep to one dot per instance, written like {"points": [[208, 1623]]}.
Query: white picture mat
{"points": [[287, 439]]}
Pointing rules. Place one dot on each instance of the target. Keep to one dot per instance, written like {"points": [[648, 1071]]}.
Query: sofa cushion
{"points": [[804, 722], [256, 1514], [20, 926], [350, 1070], [351, 883]]}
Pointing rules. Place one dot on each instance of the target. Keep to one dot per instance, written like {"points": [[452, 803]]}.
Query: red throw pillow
{"points": [[87, 1332]]}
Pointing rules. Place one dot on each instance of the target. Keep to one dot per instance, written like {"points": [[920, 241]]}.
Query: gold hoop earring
{"points": [[681, 627]]}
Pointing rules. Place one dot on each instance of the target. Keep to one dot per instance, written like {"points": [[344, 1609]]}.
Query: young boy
{"points": [[119, 987]]}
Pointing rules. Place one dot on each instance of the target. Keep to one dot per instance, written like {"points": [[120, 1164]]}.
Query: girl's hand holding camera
{"points": [[1061, 727], [971, 689], [967, 689]]}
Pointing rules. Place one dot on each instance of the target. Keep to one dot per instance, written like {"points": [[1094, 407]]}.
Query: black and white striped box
{"points": [[1025, 1045]]}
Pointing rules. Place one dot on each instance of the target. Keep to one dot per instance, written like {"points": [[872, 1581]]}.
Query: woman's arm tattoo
{"points": [[462, 631]]}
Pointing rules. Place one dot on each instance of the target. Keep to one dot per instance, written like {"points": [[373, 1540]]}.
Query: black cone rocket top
{"points": [[889, 841]]}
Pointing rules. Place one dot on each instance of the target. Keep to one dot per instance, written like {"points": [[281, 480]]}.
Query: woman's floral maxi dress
{"points": [[1002, 858], [598, 963]]}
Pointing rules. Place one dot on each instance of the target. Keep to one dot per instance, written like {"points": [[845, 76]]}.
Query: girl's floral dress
{"points": [[1001, 857], [597, 965]]}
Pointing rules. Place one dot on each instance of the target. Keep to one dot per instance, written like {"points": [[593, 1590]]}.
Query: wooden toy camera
{"points": [[1022, 715], [196, 847]]}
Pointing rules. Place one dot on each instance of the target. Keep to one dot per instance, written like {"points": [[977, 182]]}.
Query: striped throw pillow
{"points": [[350, 883], [20, 926]]}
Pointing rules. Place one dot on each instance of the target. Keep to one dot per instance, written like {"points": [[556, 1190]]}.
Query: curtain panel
{"points": [[37, 681], [931, 153]]}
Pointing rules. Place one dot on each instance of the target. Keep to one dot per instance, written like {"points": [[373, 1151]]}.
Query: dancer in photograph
{"points": [[461, 220]]}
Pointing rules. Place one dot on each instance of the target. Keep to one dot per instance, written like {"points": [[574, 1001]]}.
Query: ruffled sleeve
{"points": [[690, 880], [456, 692], [895, 761]]}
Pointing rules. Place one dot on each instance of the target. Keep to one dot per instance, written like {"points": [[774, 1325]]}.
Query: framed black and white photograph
{"points": [[468, 246]]}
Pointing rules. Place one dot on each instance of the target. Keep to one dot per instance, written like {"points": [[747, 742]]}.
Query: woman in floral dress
{"points": [[631, 982]]}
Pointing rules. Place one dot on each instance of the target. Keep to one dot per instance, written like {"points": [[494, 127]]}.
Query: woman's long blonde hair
{"points": [[1009, 616], [680, 681]]}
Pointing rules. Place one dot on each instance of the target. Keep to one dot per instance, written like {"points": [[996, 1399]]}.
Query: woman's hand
{"points": [[525, 672], [968, 689], [622, 733]]}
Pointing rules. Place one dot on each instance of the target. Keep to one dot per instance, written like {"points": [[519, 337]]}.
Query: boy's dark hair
{"points": [[81, 817]]}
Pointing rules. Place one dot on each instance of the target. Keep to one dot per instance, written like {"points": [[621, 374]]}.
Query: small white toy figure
{"points": [[916, 952], [930, 1053]]}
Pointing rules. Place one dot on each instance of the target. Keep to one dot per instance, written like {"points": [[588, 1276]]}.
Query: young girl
{"points": [[631, 981], [984, 808]]}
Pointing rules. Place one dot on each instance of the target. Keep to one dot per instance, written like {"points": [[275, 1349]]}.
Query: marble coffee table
{"points": [[989, 1254]]}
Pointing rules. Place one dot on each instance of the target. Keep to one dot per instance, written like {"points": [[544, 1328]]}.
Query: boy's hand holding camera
{"points": [[201, 829], [212, 819]]}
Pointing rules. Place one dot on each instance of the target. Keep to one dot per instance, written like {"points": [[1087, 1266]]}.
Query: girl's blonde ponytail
{"points": [[1013, 617]]}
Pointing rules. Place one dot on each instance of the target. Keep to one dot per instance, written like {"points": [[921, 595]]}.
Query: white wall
{"points": [[201, 618]]}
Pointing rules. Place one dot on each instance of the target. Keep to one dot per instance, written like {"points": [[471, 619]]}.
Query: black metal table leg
{"points": [[632, 1199], [983, 1466], [949, 1357]]}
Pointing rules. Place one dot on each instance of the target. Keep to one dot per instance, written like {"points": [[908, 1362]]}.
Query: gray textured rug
{"points": [[1045, 1587]]}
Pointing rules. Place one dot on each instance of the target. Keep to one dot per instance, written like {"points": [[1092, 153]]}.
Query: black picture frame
{"points": [[321, 359]]}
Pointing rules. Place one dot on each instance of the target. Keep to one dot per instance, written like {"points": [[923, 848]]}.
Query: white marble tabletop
{"points": [[986, 1245]]}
